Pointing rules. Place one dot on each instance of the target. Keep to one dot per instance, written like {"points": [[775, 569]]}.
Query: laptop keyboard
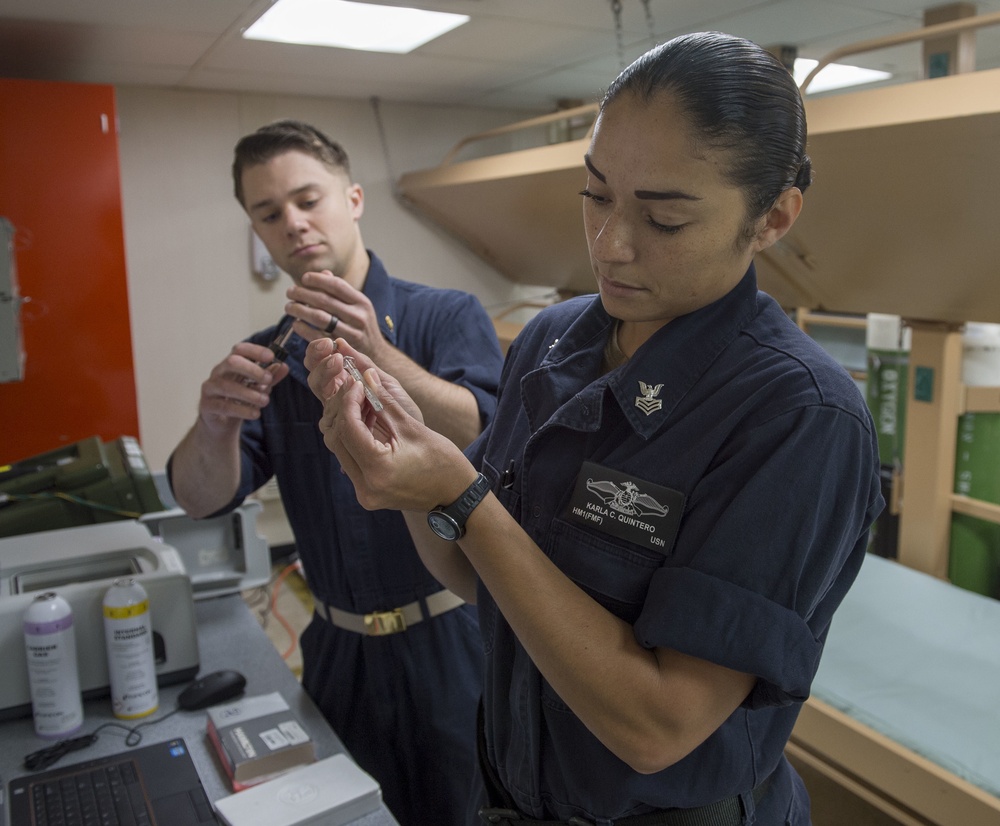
{"points": [[106, 796]]}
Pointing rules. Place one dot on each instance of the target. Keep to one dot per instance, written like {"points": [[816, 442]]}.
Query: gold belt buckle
{"points": [[380, 623]]}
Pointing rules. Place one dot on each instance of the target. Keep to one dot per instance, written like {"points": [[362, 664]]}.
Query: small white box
{"points": [[332, 791]]}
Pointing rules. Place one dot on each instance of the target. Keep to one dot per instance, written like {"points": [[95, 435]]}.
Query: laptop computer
{"points": [[156, 785]]}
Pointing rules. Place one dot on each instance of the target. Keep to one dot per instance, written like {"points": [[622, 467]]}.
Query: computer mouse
{"points": [[211, 689]]}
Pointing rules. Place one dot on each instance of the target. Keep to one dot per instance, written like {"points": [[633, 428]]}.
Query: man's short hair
{"points": [[285, 136]]}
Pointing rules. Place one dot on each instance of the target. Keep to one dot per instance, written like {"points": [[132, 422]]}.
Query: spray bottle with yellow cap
{"points": [[128, 633]]}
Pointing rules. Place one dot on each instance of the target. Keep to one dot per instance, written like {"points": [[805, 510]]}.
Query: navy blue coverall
{"points": [[404, 704], [716, 492]]}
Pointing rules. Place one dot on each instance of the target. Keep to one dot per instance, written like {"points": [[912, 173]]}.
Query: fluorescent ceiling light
{"points": [[348, 25], [835, 75]]}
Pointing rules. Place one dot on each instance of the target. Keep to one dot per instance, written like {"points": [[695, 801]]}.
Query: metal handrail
{"points": [[937, 30], [552, 117]]}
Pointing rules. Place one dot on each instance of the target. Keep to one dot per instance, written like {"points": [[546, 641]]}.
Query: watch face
{"points": [[443, 525]]}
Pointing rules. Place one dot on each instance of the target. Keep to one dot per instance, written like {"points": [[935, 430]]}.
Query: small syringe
{"points": [[352, 368]]}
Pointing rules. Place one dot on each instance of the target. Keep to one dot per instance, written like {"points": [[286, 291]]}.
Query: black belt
{"points": [[503, 812]]}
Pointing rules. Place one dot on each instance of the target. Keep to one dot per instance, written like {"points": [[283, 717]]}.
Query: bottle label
{"points": [[128, 634], [50, 646]]}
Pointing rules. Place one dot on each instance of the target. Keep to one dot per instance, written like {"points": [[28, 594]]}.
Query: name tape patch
{"points": [[624, 506]]}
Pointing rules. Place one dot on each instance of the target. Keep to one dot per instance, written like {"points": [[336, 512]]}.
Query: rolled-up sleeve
{"points": [[466, 351], [771, 540]]}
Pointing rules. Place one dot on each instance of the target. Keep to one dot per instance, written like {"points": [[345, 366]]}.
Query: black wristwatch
{"points": [[448, 521]]}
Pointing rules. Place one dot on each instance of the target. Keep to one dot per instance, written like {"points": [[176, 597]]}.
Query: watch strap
{"points": [[448, 521], [461, 509]]}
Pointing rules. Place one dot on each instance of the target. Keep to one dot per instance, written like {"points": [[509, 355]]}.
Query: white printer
{"points": [[175, 558]]}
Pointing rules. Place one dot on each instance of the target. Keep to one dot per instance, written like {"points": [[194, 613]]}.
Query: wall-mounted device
{"points": [[261, 263], [11, 345]]}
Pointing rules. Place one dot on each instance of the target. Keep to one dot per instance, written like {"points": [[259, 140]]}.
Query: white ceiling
{"points": [[526, 54]]}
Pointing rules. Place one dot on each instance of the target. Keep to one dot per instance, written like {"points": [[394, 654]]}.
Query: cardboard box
{"points": [[258, 738]]}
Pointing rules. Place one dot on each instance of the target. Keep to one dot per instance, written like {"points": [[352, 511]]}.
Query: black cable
{"points": [[6, 498], [43, 758]]}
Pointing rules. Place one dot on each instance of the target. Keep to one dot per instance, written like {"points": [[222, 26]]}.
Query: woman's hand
{"points": [[393, 460]]}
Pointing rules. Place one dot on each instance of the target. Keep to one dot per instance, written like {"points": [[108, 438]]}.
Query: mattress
{"points": [[918, 660]]}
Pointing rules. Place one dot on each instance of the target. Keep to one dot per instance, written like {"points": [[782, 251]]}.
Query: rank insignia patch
{"points": [[647, 402]]}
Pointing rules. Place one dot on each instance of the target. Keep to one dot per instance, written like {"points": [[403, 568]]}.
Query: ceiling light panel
{"points": [[346, 25]]}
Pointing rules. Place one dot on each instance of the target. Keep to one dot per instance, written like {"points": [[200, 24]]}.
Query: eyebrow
{"points": [[267, 202], [644, 194]]}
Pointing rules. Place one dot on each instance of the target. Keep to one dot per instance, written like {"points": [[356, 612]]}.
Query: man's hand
{"points": [[330, 307], [239, 386], [206, 463], [326, 306]]}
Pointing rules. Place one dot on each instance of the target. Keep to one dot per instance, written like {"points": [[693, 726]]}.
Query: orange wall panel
{"points": [[60, 188]]}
